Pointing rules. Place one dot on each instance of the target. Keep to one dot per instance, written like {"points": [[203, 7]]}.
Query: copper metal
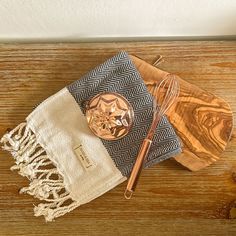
{"points": [[110, 116], [165, 94]]}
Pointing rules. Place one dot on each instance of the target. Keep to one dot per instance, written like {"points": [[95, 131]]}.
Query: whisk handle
{"points": [[137, 169]]}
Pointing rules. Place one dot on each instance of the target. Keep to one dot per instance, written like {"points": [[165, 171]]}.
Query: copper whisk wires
{"points": [[164, 95]]}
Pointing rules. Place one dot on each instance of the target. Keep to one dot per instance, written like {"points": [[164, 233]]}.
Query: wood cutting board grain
{"points": [[170, 200], [202, 120]]}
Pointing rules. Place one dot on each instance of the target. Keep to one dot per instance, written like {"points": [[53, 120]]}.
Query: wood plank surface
{"points": [[170, 200]]}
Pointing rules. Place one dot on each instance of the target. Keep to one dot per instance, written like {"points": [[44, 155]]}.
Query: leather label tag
{"points": [[84, 159]]}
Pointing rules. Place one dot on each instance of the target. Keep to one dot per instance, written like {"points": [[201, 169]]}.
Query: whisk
{"points": [[164, 95]]}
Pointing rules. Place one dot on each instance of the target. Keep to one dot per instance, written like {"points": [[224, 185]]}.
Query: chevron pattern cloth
{"points": [[119, 74], [51, 146]]}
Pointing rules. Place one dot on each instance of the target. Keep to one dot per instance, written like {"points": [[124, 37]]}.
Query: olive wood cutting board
{"points": [[202, 120]]}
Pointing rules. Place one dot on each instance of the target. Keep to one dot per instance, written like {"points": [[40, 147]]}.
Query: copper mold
{"points": [[109, 115]]}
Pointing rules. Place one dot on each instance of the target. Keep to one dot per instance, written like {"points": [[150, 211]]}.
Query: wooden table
{"points": [[170, 200]]}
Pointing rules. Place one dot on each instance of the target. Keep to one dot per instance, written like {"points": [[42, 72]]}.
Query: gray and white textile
{"points": [[52, 147]]}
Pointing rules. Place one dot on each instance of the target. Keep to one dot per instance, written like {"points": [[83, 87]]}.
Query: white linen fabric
{"points": [[58, 133]]}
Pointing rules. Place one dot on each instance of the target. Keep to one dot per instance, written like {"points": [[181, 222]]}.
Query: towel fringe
{"points": [[46, 183]]}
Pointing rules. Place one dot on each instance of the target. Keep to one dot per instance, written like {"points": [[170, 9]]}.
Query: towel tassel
{"points": [[46, 183]]}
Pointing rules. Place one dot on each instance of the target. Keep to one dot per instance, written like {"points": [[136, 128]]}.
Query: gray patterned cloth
{"points": [[119, 74]]}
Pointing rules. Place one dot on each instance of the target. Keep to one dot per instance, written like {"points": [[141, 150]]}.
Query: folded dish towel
{"points": [[68, 165]]}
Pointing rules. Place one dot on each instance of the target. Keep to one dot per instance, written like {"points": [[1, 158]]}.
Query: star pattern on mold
{"points": [[108, 115]]}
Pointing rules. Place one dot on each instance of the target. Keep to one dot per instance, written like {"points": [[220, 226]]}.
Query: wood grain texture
{"points": [[170, 200], [202, 120]]}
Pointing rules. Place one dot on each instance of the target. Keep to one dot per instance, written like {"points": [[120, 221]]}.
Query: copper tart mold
{"points": [[109, 115]]}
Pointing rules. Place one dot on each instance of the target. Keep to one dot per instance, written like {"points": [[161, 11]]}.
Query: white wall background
{"points": [[74, 20]]}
